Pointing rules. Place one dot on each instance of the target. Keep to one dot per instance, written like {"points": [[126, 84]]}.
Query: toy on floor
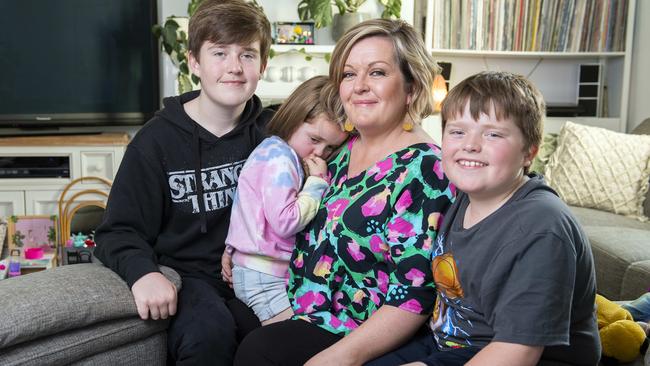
{"points": [[622, 338], [640, 308]]}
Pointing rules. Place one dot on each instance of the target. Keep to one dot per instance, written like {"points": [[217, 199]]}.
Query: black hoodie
{"points": [[154, 215]]}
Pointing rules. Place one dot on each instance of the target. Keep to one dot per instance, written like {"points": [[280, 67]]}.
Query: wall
{"points": [[639, 108]]}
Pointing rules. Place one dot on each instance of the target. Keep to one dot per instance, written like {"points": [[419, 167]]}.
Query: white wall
{"points": [[639, 106]]}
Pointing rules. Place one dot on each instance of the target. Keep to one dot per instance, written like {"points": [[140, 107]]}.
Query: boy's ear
{"points": [[263, 68], [193, 64], [532, 153]]}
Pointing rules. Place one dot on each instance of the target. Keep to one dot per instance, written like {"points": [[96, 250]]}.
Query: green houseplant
{"points": [[320, 11], [173, 40]]}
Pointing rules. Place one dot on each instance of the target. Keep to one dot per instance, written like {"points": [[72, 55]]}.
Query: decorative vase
{"points": [[342, 22]]}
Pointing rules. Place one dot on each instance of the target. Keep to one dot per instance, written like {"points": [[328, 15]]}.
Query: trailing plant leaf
{"points": [[184, 84], [320, 11], [184, 68], [392, 8], [191, 7]]}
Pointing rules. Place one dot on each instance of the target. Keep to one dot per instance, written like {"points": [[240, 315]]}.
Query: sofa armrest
{"points": [[63, 298]]}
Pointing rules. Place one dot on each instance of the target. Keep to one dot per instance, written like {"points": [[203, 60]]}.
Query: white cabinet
{"points": [[88, 155], [12, 203]]}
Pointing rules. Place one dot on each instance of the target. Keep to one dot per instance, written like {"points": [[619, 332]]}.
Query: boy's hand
{"points": [[316, 166], [226, 267], [156, 295]]}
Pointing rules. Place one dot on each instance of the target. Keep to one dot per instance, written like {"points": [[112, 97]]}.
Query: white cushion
{"points": [[597, 168]]}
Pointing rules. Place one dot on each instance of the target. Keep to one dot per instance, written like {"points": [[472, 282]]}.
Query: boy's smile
{"points": [[484, 158]]}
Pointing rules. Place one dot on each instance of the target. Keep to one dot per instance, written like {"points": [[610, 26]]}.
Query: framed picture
{"points": [[294, 33], [32, 232]]}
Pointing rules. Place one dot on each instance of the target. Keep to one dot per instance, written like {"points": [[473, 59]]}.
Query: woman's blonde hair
{"points": [[305, 103], [416, 64]]}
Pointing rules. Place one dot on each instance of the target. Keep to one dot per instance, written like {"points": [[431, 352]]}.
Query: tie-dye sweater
{"points": [[371, 241], [271, 205]]}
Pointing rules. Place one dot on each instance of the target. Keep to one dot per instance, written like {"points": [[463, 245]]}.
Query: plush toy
{"points": [[622, 338]]}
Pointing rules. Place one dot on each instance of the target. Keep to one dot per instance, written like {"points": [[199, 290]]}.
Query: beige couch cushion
{"points": [[597, 168]]}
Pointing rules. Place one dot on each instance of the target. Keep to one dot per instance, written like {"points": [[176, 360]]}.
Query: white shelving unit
{"points": [[91, 155], [555, 73]]}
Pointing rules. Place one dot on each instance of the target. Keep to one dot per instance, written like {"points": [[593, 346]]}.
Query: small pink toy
{"points": [[33, 253]]}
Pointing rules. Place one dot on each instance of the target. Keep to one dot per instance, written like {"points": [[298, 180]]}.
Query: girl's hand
{"points": [[226, 267], [316, 167]]}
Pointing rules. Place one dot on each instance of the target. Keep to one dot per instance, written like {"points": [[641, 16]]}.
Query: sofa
{"points": [[621, 248], [81, 314], [84, 314], [620, 242]]}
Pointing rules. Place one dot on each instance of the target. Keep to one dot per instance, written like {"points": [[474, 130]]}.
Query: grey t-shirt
{"points": [[524, 275]]}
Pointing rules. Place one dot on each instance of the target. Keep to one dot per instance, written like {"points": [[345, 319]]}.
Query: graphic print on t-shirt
{"points": [[219, 185], [450, 291]]}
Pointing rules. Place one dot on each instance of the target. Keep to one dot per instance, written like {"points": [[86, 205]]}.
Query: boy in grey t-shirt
{"points": [[513, 268]]}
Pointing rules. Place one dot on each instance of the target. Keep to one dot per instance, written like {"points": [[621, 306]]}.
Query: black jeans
{"points": [[208, 324], [286, 343], [423, 348]]}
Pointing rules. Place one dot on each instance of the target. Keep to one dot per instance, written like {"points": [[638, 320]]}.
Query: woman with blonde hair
{"points": [[360, 281]]}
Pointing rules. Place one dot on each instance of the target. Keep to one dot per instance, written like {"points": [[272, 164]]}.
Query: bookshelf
{"points": [[545, 40], [555, 71]]}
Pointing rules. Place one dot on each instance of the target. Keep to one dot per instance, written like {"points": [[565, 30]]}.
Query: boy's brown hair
{"points": [[229, 22], [304, 104], [512, 96]]}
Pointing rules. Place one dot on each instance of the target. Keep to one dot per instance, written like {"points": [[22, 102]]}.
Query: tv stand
{"points": [[49, 133], [96, 154]]}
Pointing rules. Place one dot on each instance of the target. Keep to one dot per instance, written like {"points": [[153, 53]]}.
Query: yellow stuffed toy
{"points": [[622, 338]]}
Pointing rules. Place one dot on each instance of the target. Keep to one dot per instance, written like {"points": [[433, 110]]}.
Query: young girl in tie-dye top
{"points": [[272, 204]]}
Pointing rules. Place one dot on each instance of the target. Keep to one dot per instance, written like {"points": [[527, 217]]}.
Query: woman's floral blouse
{"points": [[371, 241]]}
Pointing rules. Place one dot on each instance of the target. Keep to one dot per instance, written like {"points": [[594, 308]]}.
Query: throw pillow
{"points": [[546, 149], [597, 168]]}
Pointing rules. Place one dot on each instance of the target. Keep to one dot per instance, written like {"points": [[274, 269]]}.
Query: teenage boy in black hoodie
{"points": [[158, 214]]}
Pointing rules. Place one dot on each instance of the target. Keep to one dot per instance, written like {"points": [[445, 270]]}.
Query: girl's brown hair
{"points": [[305, 103]]}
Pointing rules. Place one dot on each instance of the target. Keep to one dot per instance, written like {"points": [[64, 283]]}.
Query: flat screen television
{"points": [[77, 63]]}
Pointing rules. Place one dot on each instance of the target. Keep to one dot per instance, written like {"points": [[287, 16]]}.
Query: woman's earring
{"points": [[348, 126], [408, 125]]}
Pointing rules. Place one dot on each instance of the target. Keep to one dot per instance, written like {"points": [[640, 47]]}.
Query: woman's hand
{"points": [[226, 267], [316, 167]]}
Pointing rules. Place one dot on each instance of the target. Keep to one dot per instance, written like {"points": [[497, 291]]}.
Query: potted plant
{"points": [[320, 11], [173, 40]]}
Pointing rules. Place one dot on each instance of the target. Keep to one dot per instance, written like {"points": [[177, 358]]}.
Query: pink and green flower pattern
{"points": [[370, 243]]}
